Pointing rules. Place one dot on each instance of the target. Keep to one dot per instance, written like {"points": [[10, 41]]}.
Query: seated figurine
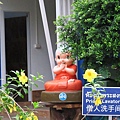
{"points": [[65, 71]]}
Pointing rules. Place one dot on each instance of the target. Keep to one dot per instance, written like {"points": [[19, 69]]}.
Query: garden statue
{"points": [[64, 88], [65, 71]]}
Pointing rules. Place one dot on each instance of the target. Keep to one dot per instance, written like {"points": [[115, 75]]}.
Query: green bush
{"points": [[93, 34]]}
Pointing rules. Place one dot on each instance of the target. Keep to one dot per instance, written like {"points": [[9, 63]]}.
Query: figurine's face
{"points": [[63, 58]]}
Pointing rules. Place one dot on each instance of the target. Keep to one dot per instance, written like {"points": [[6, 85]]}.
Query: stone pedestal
{"points": [[56, 96], [63, 105]]}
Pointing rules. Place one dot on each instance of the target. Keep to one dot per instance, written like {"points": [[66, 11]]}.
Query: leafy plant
{"points": [[95, 83], [10, 91], [92, 33]]}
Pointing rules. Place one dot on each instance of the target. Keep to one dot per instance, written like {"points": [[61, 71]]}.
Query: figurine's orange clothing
{"points": [[65, 75], [62, 83]]}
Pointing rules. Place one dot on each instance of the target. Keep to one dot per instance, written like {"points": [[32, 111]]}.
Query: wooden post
{"points": [[65, 111]]}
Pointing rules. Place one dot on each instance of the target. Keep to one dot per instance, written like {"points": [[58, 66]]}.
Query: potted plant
{"points": [[92, 33]]}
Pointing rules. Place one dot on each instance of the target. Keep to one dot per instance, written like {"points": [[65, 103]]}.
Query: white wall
{"points": [[38, 60], [63, 8]]}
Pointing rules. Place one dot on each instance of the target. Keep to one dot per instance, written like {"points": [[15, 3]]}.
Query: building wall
{"points": [[38, 60]]}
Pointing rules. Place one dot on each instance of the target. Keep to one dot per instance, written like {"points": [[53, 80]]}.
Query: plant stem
{"points": [[7, 113], [15, 95]]}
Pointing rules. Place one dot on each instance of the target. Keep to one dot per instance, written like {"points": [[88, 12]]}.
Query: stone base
{"points": [[61, 97], [65, 114]]}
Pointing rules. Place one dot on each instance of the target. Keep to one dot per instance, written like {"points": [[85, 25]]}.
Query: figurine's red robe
{"points": [[64, 82]]}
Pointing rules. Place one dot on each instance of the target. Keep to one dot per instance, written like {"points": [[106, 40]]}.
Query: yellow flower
{"points": [[21, 117], [29, 118], [12, 107], [23, 78], [32, 113], [98, 101], [32, 117], [35, 117], [90, 74]]}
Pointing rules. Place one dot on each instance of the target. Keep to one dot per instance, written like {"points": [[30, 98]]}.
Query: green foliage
{"points": [[12, 89], [93, 33], [35, 104]]}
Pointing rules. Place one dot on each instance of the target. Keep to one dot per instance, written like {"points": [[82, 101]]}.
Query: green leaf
{"points": [[12, 89], [17, 117], [26, 85], [97, 85], [36, 85], [94, 90], [35, 105], [20, 94], [25, 90]]}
